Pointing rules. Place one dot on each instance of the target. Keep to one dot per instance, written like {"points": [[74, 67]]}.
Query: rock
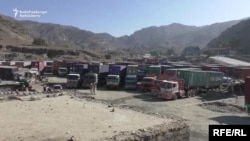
{"points": [[113, 110], [73, 138]]}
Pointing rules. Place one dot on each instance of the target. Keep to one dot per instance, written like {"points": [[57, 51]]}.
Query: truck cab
{"points": [[72, 80], [62, 71], [131, 82], [147, 83], [89, 78], [171, 90], [113, 81]]}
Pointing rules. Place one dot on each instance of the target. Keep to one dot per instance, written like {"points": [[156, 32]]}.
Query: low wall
{"points": [[174, 131]]}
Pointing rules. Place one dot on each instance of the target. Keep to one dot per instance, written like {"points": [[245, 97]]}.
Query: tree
{"points": [[39, 42]]}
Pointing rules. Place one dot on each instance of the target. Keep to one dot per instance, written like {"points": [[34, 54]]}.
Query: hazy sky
{"points": [[123, 17]]}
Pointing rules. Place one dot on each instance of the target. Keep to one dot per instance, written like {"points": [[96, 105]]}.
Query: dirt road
{"points": [[199, 111]]}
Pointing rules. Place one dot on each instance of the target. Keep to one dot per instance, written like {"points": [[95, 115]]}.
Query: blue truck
{"points": [[116, 77], [131, 77]]}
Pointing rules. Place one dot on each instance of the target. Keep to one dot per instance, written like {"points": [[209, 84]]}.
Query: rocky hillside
{"points": [[176, 35], [237, 38]]}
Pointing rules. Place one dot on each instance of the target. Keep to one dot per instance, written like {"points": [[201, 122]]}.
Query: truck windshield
{"points": [[112, 78], [130, 78], [63, 70], [48, 69], [167, 85], [72, 77]]}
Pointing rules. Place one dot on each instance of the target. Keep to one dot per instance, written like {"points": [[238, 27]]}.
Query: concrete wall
{"points": [[174, 131]]}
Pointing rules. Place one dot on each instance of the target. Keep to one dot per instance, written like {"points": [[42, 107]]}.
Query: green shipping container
{"points": [[205, 79], [154, 70]]}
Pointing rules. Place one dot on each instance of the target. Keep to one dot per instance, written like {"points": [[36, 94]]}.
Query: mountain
{"points": [[176, 35], [236, 37]]}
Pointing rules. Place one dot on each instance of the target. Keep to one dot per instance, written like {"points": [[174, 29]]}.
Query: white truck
{"points": [[72, 80]]}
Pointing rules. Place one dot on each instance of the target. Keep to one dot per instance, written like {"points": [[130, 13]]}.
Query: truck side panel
{"points": [[205, 79]]}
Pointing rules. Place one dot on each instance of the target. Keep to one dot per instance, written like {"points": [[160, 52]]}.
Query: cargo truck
{"points": [[116, 76], [154, 70], [62, 72], [80, 69], [142, 71], [194, 81], [58, 65], [131, 77], [89, 78], [247, 93], [101, 70], [73, 80]]}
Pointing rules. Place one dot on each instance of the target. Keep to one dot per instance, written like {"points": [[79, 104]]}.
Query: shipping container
{"points": [[247, 90], [204, 79], [154, 70]]}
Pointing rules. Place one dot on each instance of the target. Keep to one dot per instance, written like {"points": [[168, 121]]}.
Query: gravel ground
{"points": [[199, 111]]}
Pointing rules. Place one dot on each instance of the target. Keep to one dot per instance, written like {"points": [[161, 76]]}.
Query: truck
{"points": [[131, 77], [142, 71], [62, 72], [116, 76], [147, 83], [48, 71], [57, 65], [154, 70], [73, 80], [101, 70], [89, 78], [247, 93], [193, 81], [80, 69]]}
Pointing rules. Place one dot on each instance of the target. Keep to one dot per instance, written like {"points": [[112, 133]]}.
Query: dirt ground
{"points": [[59, 118], [199, 111]]}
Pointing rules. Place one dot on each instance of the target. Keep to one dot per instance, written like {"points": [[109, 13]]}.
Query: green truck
{"points": [[131, 77], [89, 78], [154, 70], [196, 80]]}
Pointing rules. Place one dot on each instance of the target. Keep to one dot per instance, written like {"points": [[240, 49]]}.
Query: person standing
{"points": [[94, 88], [91, 88]]}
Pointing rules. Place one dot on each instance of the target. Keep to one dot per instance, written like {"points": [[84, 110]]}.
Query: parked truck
{"points": [[73, 80], [89, 78], [131, 77], [116, 77], [80, 69], [193, 81], [154, 70], [59, 67], [101, 70]]}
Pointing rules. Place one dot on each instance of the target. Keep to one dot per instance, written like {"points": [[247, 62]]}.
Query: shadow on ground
{"points": [[245, 120]]}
